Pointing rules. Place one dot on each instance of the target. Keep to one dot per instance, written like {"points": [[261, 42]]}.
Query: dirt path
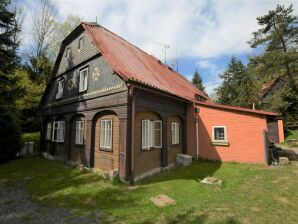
{"points": [[16, 207]]}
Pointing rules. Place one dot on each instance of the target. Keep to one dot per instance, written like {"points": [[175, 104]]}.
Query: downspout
{"points": [[197, 132], [132, 154]]}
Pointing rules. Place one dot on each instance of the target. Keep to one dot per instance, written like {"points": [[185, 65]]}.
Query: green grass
{"points": [[291, 134], [249, 194]]}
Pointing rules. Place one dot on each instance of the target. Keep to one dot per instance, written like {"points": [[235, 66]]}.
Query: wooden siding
{"points": [[173, 150], [101, 79], [107, 160], [273, 135], [145, 160], [77, 56]]}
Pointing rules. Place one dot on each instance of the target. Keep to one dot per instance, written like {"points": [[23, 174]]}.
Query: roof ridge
{"points": [[134, 48]]}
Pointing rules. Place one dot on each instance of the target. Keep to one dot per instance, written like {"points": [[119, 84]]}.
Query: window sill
{"points": [[105, 150], [151, 149], [220, 143], [83, 91]]}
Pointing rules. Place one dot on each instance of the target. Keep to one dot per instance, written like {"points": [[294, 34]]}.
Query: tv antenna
{"points": [[165, 47]]}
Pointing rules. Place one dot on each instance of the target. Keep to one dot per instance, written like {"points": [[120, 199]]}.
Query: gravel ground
{"points": [[16, 207]]}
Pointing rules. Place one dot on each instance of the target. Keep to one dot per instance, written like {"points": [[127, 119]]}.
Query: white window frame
{"points": [[83, 84], [175, 133], [81, 43], [58, 131], [106, 135], [49, 131], [59, 93], [225, 134], [80, 125], [148, 132]]}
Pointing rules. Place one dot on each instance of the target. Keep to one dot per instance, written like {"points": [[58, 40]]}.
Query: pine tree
{"points": [[10, 142], [198, 82], [237, 86], [279, 37]]}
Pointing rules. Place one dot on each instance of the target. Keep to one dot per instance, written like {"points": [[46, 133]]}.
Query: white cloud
{"points": [[203, 29]]}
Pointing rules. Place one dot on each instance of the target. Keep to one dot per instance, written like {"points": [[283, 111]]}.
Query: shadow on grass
{"points": [[58, 186], [197, 170]]}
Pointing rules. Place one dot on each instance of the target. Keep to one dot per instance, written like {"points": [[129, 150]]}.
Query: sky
{"points": [[201, 34]]}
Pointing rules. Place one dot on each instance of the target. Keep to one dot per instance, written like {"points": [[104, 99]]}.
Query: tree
{"points": [[237, 86], [9, 130], [279, 37], [198, 82], [61, 30]]}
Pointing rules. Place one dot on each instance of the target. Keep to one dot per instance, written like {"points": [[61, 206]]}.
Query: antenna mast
{"points": [[165, 47]]}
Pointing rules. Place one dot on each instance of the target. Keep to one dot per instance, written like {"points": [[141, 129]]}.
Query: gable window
{"points": [[151, 134], [58, 131], [83, 80], [67, 53], [81, 43], [175, 133], [219, 134], [59, 94], [49, 131], [79, 132], [106, 134]]}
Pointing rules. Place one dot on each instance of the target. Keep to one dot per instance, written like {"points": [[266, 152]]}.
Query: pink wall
{"points": [[281, 131], [244, 135]]}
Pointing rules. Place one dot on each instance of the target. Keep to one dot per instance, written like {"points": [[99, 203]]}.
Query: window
{"points": [[106, 134], [219, 134], [49, 131], [175, 133], [79, 132], [81, 43], [151, 134], [58, 131], [59, 94], [83, 80], [67, 53]]}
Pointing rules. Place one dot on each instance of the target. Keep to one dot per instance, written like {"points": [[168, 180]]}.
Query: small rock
{"points": [[162, 200], [283, 161], [211, 181]]}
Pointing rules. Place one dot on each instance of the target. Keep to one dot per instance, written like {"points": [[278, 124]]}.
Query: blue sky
{"points": [[201, 34]]}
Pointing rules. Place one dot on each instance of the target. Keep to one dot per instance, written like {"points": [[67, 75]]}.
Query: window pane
{"points": [[102, 131], [157, 134], [219, 134]]}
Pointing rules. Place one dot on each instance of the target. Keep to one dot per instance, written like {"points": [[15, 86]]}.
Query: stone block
{"points": [[283, 161], [211, 181], [113, 174], [162, 200], [183, 159]]}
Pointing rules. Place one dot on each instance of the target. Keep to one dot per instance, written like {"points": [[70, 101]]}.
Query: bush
{"points": [[32, 137], [10, 135]]}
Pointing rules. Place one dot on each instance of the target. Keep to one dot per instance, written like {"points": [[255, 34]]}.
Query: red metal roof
{"points": [[211, 104], [131, 63]]}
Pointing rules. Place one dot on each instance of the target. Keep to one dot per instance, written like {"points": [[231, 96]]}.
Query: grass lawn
{"points": [[249, 194]]}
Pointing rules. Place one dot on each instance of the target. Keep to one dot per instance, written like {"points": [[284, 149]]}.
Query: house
{"points": [[111, 106]]}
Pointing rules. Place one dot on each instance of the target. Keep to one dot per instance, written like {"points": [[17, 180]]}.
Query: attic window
{"points": [[199, 98], [67, 54], [81, 43]]}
